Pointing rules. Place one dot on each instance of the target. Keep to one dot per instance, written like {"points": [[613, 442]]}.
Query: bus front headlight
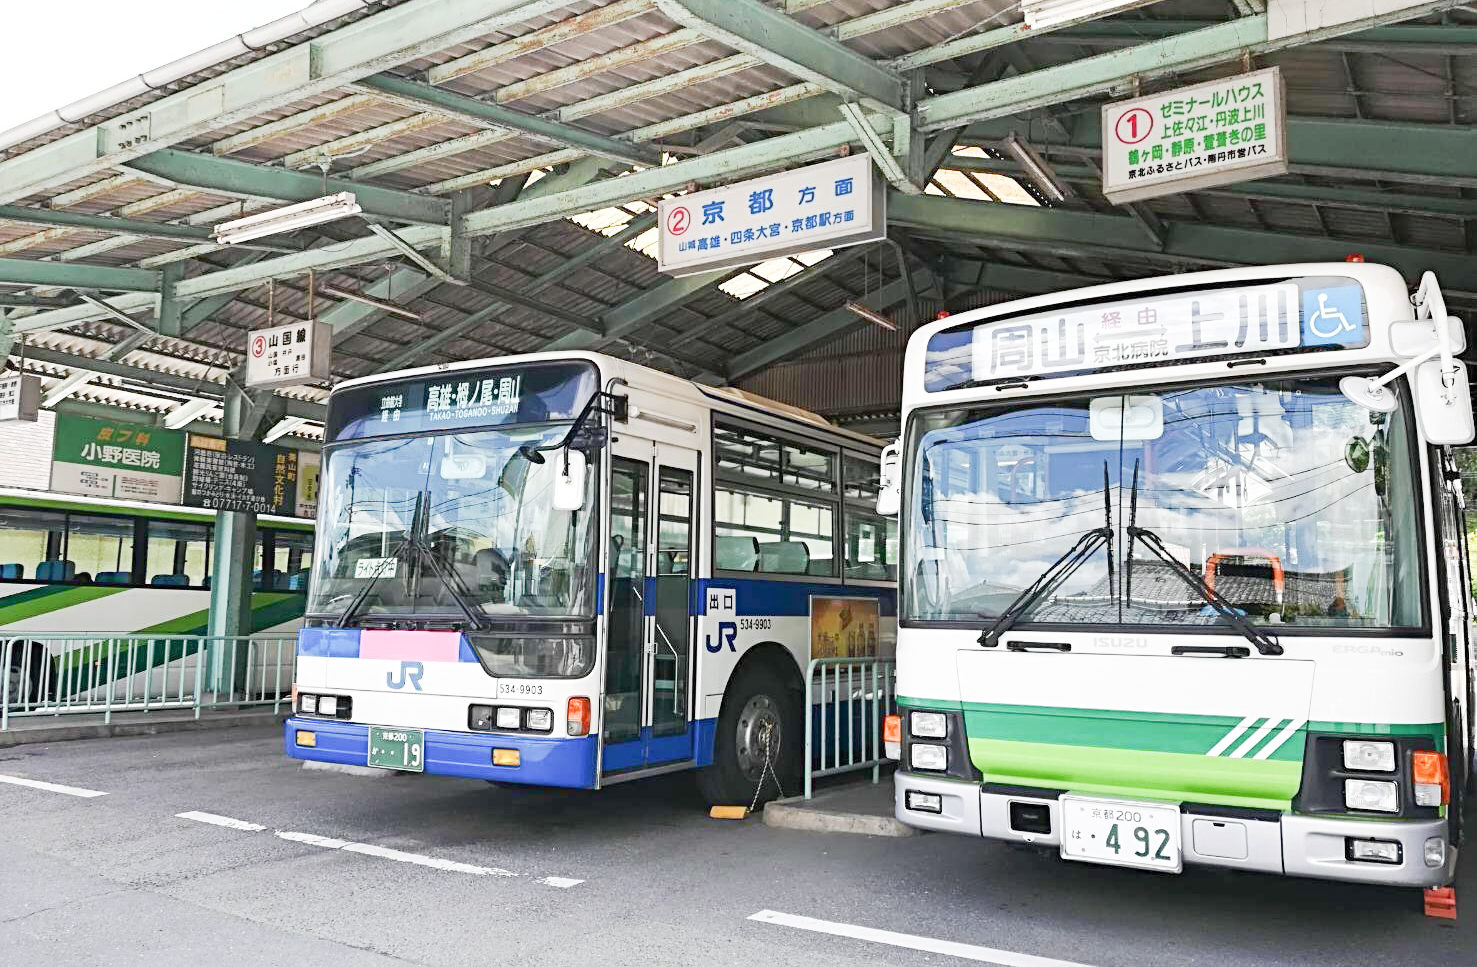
{"points": [[1371, 795], [932, 758], [1360, 756], [928, 725]]}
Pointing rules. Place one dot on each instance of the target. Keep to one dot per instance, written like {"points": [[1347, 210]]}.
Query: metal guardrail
{"points": [[846, 700], [102, 673]]}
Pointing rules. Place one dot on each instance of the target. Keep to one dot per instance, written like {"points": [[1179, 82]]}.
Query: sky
{"points": [[57, 51]]}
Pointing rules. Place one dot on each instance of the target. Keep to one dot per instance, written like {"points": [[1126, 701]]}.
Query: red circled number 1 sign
{"points": [[259, 346], [1134, 126], [679, 220]]}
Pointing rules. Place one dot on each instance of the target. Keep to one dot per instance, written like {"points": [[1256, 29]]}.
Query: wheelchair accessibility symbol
{"points": [[1328, 321], [1333, 317]]}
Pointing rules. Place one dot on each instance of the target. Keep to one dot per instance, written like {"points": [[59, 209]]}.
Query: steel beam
{"points": [[104, 223], [76, 275], [619, 321], [349, 318], [1411, 39], [458, 105], [753, 28], [210, 173], [394, 36]]}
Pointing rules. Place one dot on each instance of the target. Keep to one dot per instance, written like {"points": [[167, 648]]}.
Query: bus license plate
{"points": [[1121, 833], [403, 749]]}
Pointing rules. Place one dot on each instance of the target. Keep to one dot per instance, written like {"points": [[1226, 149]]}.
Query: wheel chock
{"points": [[740, 812], [1441, 902]]}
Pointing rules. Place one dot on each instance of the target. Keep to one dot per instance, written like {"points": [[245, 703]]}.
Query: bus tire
{"points": [[25, 678], [758, 703]]}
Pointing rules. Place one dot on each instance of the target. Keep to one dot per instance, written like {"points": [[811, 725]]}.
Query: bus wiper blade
{"points": [[1265, 644], [453, 583], [1060, 569], [398, 555]]}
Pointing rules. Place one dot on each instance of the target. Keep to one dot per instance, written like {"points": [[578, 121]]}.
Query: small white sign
{"points": [[827, 205], [1224, 131], [375, 567], [20, 397], [287, 355]]}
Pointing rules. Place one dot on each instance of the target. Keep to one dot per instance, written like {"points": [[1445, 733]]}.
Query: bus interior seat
{"points": [[490, 565], [56, 571], [12, 572], [114, 577], [736, 553], [206, 582], [870, 571], [822, 567], [281, 581], [170, 581], [298, 580], [82, 577], [784, 557]]}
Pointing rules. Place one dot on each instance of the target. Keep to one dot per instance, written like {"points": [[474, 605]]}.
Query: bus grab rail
{"points": [[846, 700], [54, 674]]}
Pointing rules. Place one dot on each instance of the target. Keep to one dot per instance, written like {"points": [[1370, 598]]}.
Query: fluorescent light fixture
{"points": [[283, 428], [329, 208], [1045, 14], [1037, 169], [369, 300], [186, 413], [872, 315]]}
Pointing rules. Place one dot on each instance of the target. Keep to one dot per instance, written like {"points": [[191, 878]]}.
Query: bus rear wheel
{"points": [[759, 729], [26, 672]]}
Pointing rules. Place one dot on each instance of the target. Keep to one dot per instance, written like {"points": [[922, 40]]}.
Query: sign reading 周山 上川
{"points": [[1224, 131], [105, 458], [827, 205]]}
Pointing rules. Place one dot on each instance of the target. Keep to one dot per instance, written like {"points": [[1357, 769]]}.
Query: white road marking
{"points": [[225, 821], [53, 787], [312, 839], [964, 951], [562, 882]]}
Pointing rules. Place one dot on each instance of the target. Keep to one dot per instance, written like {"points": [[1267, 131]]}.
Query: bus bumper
{"points": [[1314, 846], [569, 763]]}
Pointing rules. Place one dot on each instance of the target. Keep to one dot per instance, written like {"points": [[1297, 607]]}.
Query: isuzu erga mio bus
{"points": [[1185, 577], [570, 570]]}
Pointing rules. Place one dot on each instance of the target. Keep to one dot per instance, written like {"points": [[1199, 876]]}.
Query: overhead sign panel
{"points": [[288, 355], [20, 397], [829, 205], [104, 458], [1224, 131], [239, 475]]}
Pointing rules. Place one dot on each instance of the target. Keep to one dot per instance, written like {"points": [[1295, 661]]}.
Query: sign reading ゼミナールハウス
{"points": [[827, 205], [1216, 133]]}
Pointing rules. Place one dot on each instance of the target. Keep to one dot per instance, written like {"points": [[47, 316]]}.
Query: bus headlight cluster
{"points": [[1372, 795], [332, 706], [932, 758], [1360, 756], [928, 725], [509, 718]]}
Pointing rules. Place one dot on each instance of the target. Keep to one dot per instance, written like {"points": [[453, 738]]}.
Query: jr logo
{"points": [[410, 671], [727, 632]]}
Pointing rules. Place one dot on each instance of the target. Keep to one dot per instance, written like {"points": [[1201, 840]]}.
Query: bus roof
{"points": [[45, 499]]}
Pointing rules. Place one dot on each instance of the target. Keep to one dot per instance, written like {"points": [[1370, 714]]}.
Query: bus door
{"points": [[650, 554]]}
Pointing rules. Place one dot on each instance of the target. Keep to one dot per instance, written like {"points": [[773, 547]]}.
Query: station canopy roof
{"points": [[508, 155]]}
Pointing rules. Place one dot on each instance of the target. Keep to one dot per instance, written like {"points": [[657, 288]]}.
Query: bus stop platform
{"points": [[33, 730], [853, 806]]}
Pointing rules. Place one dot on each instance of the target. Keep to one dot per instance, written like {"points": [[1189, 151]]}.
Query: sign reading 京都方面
{"points": [[1216, 133], [106, 458], [828, 205]]}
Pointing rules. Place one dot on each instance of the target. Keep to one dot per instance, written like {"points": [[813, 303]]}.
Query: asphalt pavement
{"points": [[211, 848]]}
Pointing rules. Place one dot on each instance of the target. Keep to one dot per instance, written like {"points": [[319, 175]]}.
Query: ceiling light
{"points": [[1045, 14], [326, 209], [872, 315], [390, 307], [1037, 169], [186, 413]]}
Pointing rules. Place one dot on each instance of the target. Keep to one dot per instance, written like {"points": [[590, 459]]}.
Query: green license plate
{"points": [[403, 749]]}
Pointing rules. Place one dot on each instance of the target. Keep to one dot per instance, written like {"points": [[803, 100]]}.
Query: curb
{"points": [[793, 814], [70, 733]]}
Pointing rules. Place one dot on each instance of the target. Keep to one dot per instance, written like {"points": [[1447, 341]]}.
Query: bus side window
{"points": [[100, 547], [28, 538], [178, 554]]}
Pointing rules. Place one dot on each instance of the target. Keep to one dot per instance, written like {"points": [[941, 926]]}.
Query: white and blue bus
{"points": [[564, 569]]}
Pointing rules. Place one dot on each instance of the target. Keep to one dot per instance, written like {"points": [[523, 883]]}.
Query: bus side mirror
{"points": [[889, 496], [569, 480], [1443, 403]]}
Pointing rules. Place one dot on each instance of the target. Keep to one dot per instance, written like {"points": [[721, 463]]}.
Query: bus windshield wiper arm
{"points": [[398, 555], [1060, 569], [453, 583], [1265, 644]]}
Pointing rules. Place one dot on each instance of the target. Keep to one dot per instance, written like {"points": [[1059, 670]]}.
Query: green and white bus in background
{"points": [[1185, 577], [72, 564]]}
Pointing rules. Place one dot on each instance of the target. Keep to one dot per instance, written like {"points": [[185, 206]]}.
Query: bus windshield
{"points": [[481, 503], [1298, 506]]}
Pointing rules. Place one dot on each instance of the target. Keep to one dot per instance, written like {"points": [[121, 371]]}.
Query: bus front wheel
{"points": [[759, 729]]}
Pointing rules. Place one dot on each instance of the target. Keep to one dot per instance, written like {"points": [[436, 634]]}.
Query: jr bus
{"points": [[71, 564], [564, 569], [1186, 577]]}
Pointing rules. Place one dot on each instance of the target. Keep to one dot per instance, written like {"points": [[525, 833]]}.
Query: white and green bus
{"points": [[72, 566], [1185, 578]]}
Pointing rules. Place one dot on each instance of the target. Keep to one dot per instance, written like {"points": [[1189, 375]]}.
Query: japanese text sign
{"points": [[239, 475], [20, 397], [827, 205], [1234, 129], [288, 355], [104, 458]]}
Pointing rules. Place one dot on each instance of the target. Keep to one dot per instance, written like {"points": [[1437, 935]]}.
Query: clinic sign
{"points": [[1224, 131], [106, 458], [288, 355], [829, 205]]}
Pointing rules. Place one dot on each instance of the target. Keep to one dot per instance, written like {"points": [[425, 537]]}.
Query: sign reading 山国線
{"points": [[286, 355], [1216, 133], [828, 205]]}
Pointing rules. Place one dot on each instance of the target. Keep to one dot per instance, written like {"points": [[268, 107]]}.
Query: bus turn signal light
{"points": [[1431, 777], [892, 737], [579, 716]]}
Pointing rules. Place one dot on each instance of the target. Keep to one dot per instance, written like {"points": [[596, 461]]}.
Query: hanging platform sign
{"points": [[1217, 133], [240, 475], [108, 458], [288, 355], [20, 397], [829, 205]]}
